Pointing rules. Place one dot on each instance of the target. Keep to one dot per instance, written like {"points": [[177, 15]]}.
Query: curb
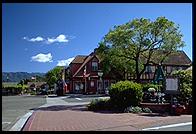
{"points": [[21, 122]]}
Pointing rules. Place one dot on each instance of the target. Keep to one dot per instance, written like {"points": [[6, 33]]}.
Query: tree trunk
{"points": [[137, 72]]}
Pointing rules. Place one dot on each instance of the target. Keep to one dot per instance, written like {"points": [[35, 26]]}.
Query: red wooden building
{"points": [[87, 76]]}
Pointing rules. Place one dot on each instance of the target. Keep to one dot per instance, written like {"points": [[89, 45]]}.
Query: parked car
{"points": [[42, 92]]}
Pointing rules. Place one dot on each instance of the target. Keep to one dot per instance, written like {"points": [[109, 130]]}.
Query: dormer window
{"points": [[94, 66]]}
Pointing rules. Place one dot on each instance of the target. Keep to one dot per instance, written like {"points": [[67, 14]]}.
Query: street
{"points": [[14, 107]]}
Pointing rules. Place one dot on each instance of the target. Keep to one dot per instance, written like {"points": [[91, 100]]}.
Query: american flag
{"points": [[84, 74]]}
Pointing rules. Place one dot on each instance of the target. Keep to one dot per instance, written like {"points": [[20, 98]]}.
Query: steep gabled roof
{"points": [[84, 63], [176, 58], [179, 58], [79, 59]]}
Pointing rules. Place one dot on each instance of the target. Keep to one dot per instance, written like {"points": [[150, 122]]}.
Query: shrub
{"points": [[125, 93], [146, 110], [13, 90], [133, 109], [99, 104]]}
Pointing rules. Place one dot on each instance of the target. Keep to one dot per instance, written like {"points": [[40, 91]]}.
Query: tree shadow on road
{"points": [[61, 108], [80, 107]]}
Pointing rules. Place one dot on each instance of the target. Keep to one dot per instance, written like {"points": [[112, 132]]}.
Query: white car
{"points": [[107, 92]]}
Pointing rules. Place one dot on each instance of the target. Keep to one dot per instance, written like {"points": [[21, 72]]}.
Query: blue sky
{"points": [[37, 37]]}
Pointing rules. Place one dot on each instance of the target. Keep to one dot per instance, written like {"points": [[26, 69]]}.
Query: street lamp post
{"points": [[100, 74]]}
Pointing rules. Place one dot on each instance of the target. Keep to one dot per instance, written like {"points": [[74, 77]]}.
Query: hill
{"points": [[17, 76]]}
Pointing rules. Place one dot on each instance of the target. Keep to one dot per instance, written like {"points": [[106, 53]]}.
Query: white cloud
{"points": [[42, 57], [65, 62], [37, 39], [61, 38]]}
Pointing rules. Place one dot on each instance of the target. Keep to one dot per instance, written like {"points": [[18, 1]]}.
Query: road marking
{"points": [[78, 99], [104, 97], [6, 122], [64, 97], [168, 126], [20, 123]]}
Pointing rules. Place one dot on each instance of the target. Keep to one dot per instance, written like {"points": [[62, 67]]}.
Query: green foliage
{"points": [[99, 104], [53, 75], [185, 77], [133, 110], [137, 110], [130, 46], [125, 93], [146, 110]]}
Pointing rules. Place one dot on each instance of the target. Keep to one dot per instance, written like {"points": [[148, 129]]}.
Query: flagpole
{"points": [[85, 84], [85, 78]]}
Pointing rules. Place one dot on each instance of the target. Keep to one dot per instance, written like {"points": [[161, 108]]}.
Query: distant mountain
{"points": [[17, 76]]}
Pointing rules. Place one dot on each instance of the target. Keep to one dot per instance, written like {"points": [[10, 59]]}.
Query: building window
{"points": [[169, 69], [94, 66], [92, 83], [148, 69], [153, 68]]}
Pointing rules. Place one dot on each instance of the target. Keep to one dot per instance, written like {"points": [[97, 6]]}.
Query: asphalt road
{"points": [[14, 107]]}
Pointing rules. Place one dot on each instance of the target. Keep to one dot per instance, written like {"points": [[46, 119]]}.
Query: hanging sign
{"points": [[172, 85]]}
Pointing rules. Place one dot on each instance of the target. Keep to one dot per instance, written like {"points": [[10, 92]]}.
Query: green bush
{"points": [[13, 90], [124, 94], [99, 104], [146, 110], [133, 110]]}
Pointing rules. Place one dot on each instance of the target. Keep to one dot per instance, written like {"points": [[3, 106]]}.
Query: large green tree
{"points": [[53, 75], [132, 46]]}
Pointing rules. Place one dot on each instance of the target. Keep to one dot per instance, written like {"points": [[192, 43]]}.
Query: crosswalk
{"points": [[78, 98]]}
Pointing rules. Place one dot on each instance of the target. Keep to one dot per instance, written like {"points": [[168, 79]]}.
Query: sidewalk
{"points": [[77, 118]]}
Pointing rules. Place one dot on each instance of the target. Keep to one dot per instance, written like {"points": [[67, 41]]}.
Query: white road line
{"points": [[6, 122], [103, 97], [78, 99], [20, 123], [168, 126], [64, 97]]}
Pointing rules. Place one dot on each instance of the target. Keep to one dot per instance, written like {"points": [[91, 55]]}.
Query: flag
{"points": [[84, 74]]}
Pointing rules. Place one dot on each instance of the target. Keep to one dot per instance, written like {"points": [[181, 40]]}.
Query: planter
{"points": [[179, 110], [156, 108]]}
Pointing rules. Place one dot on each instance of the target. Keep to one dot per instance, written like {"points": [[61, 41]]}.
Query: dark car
{"points": [[43, 92]]}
